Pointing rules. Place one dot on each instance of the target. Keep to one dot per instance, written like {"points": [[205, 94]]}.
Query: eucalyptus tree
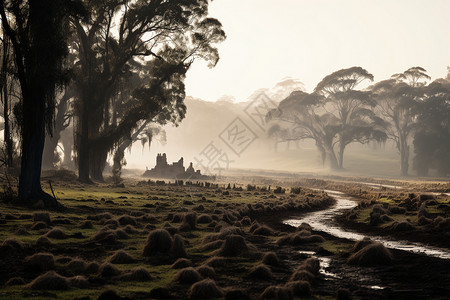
{"points": [[432, 136], [352, 109], [397, 99], [335, 115], [37, 31], [156, 41]]}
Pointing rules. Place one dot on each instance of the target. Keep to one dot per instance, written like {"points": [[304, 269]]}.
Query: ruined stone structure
{"points": [[174, 171]]}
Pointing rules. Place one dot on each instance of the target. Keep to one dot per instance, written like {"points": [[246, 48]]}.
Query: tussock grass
{"points": [[187, 276], [371, 255], [121, 257], [49, 281], [205, 289]]}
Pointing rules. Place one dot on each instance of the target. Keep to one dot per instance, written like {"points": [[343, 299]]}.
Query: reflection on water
{"points": [[324, 221]]}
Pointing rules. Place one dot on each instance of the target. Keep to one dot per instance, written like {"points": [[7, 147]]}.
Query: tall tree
{"points": [[154, 40], [432, 137], [352, 108], [397, 98], [36, 29], [335, 115]]}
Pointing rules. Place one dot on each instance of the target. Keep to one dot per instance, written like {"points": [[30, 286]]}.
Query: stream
{"points": [[324, 221]]}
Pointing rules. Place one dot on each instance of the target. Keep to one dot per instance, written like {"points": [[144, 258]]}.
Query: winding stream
{"points": [[324, 221]]}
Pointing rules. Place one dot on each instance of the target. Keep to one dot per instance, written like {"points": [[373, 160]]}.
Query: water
{"points": [[324, 221]]}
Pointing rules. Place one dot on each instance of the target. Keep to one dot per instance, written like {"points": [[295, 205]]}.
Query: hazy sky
{"points": [[308, 39]]}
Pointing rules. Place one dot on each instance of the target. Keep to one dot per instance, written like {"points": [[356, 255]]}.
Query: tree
{"points": [[36, 29], [432, 137], [62, 121], [397, 98], [156, 43], [352, 109], [335, 115]]}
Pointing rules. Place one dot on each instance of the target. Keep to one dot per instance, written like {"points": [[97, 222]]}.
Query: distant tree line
{"points": [[407, 109], [109, 72]]}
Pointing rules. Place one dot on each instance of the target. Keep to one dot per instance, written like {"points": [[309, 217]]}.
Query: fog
{"points": [[206, 120]]}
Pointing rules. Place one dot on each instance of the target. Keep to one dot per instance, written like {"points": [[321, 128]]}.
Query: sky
{"points": [[268, 40]]}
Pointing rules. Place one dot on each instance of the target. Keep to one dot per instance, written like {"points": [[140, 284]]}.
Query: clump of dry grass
{"points": [[262, 272], [136, 274], [206, 271], [57, 234], [86, 225], [100, 217], [302, 275], [79, 281], [127, 220], [235, 245], [121, 257], [271, 259], [49, 281], [264, 230], [212, 245], [276, 292], [77, 265], [40, 261], [371, 255], [300, 288], [187, 276], [15, 281], [43, 241], [109, 270], [181, 263], [42, 217], [158, 241], [178, 248], [92, 267], [216, 262], [343, 294], [204, 219], [39, 225], [205, 289], [299, 238], [12, 244]]}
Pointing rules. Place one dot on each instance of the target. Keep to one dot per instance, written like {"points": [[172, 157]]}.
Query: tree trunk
{"points": [[333, 160], [98, 158], [5, 99], [83, 147], [7, 130], [50, 158], [119, 154], [341, 153], [67, 141], [404, 157]]}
